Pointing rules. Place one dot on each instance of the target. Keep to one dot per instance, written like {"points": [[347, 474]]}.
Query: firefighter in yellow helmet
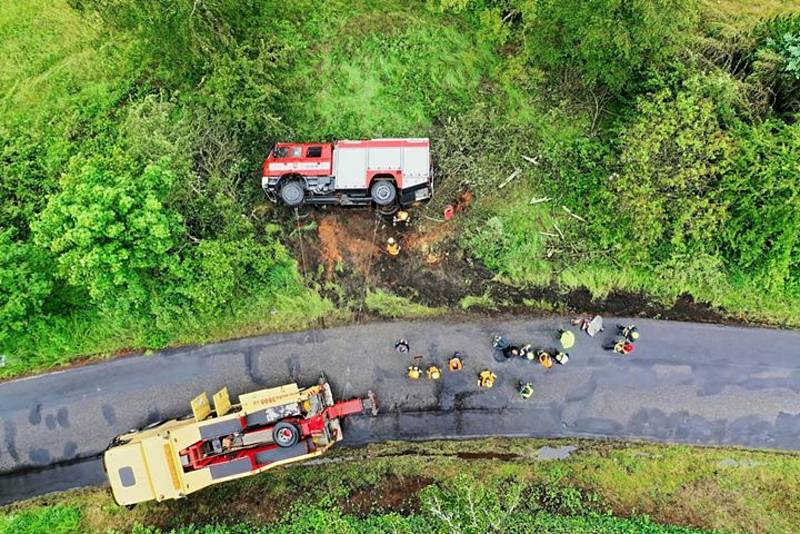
{"points": [[486, 379], [434, 373], [392, 247], [414, 372], [401, 218]]}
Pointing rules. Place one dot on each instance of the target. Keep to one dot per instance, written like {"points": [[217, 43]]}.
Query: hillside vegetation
{"points": [[131, 136]]}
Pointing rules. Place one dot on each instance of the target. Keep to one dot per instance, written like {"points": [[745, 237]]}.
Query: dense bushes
{"points": [[130, 145]]}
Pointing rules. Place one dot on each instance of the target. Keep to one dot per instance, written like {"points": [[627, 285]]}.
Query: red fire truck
{"points": [[387, 172]]}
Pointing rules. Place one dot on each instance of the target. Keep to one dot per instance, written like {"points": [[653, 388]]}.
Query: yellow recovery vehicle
{"points": [[267, 429]]}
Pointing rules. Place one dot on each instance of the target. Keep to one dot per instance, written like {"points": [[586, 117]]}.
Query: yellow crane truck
{"points": [[267, 429]]}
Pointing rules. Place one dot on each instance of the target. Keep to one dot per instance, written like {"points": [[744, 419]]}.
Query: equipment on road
{"points": [[267, 429], [591, 327], [525, 390], [389, 173], [567, 338], [456, 362], [414, 372], [434, 373], [629, 332], [486, 379], [561, 358], [401, 346], [392, 247]]}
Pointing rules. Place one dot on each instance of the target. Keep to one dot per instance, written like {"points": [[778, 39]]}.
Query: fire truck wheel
{"points": [[292, 193], [384, 193], [285, 434]]}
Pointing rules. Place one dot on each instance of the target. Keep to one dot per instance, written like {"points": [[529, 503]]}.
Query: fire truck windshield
{"points": [[280, 152]]}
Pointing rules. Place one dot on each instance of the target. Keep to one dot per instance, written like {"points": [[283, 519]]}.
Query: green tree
{"points": [[612, 43], [762, 188], [671, 159], [25, 282], [111, 234]]}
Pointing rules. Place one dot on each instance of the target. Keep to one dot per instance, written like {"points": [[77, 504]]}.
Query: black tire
{"points": [[285, 434], [383, 193], [292, 193]]}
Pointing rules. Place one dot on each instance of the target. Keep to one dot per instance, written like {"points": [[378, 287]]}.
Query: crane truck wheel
{"points": [[285, 434], [383, 193], [292, 193]]}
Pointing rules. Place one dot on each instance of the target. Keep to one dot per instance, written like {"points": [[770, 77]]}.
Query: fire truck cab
{"points": [[267, 429], [387, 172]]}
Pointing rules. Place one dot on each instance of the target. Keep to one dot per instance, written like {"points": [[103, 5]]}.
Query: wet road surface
{"points": [[687, 383]]}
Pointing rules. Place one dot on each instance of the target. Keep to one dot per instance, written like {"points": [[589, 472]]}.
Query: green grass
{"points": [[53, 64], [728, 490], [397, 307], [61, 340], [481, 301], [386, 72], [56, 519]]}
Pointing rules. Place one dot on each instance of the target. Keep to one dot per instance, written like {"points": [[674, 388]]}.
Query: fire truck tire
{"points": [[383, 193], [292, 193], [285, 434]]}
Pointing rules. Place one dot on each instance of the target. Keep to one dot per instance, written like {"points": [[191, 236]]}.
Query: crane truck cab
{"points": [[389, 173], [266, 429]]}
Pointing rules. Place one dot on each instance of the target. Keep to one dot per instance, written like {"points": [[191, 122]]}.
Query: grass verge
{"points": [[410, 485]]}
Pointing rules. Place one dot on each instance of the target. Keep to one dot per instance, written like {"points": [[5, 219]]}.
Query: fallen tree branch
{"points": [[560, 233], [529, 159], [574, 215], [538, 200], [511, 177]]}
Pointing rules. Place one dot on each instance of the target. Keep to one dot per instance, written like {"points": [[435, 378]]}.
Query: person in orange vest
{"points": [[456, 362], [544, 359]]}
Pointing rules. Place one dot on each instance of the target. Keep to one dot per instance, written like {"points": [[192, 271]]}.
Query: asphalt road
{"points": [[688, 383]]}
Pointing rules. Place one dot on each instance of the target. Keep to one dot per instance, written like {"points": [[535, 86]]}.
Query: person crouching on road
{"points": [[622, 346], [545, 359], [525, 390], [486, 379], [508, 350]]}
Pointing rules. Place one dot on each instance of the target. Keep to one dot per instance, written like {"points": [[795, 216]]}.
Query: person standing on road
{"points": [[401, 346], [561, 358]]}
